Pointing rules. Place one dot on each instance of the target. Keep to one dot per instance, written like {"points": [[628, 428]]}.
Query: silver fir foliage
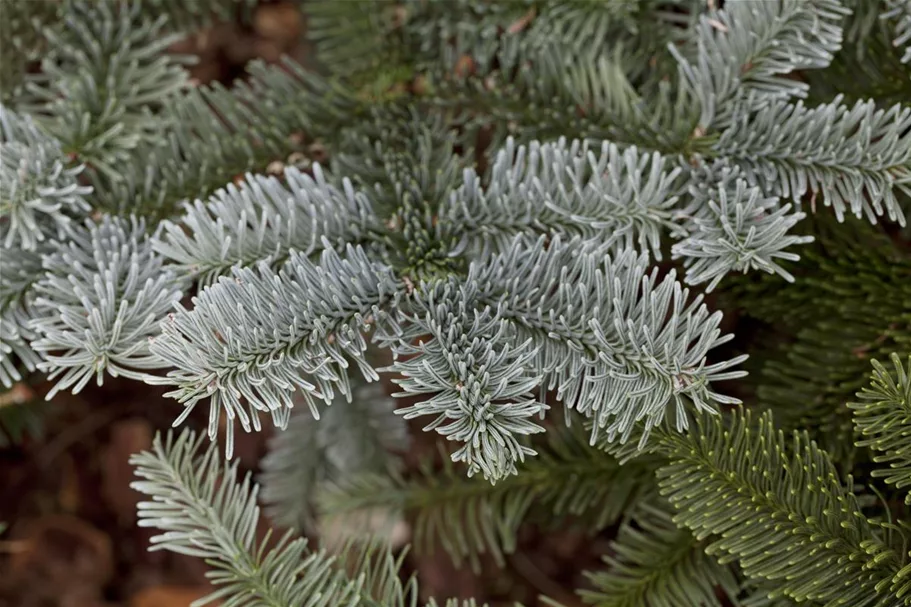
{"points": [[477, 375], [617, 342], [222, 133], [254, 338], [496, 286], [624, 198], [559, 314], [899, 11], [14, 337], [732, 227], [19, 271], [203, 508], [99, 303], [855, 159], [264, 219], [104, 79], [39, 190], [730, 68]]}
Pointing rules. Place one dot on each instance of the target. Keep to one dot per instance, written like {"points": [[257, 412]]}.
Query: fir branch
{"points": [[38, 189], [617, 343], [622, 198], [224, 133], [883, 418], [654, 563], [481, 389], [747, 50], [470, 517], [733, 227], [204, 510], [99, 302], [855, 159], [823, 368], [537, 278], [350, 438], [264, 220], [103, 82], [778, 507], [19, 271], [258, 336]]}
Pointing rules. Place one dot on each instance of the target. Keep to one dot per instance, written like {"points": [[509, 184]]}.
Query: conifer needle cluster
{"points": [[636, 264]]}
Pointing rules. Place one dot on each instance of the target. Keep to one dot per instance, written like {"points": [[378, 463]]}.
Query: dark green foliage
{"points": [[869, 67], [656, 563], [849, 304], [760, 496], [883, 420]]}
